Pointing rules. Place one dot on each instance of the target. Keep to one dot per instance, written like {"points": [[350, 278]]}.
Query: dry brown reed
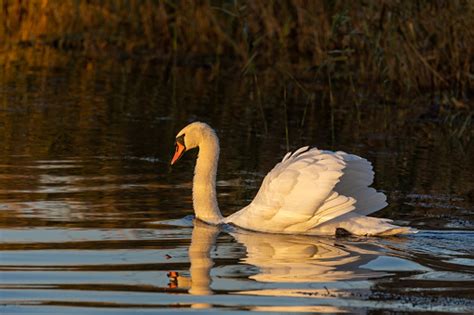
{"points": [[411, 45]]}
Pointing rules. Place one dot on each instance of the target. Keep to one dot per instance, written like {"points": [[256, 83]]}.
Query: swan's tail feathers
{"points": [[397, 230], [368, 226]]}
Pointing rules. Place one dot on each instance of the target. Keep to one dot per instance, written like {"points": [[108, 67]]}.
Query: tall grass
{"points": [[409, 45]]}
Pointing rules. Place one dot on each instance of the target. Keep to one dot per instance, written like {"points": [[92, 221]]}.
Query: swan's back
{"points": [[308, 190]]}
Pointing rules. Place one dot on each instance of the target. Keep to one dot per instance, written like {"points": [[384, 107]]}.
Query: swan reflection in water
{"points": [[282, 259]]}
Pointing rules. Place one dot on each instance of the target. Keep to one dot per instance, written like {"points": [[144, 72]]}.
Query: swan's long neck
{"points": [[204, 184]]}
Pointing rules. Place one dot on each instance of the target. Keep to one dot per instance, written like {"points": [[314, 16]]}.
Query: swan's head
{"points": [[190, 137]]}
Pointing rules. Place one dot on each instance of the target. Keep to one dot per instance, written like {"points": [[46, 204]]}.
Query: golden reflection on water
{"points": [[281, 259], [304, 259]]}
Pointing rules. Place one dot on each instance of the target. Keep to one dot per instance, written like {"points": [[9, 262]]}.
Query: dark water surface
{"points": [[91, 214]]}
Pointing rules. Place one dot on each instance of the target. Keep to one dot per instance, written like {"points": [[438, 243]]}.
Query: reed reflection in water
{"points": [[84, 171]]}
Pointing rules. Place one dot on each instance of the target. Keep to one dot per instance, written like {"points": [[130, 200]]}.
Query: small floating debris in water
{"points": [[173, 278]]}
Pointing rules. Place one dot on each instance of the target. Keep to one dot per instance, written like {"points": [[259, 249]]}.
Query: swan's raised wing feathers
{"points": [[358, 176], [297, 194]]}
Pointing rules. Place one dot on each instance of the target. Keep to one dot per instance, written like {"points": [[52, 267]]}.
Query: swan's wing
{"points": [[358, 176], [297, 195]]}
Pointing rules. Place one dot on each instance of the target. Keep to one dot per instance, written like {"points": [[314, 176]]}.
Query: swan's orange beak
{"points": [[178, 153]]}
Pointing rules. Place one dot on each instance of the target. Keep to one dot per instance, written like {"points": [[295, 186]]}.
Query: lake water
{"points": [[93, 219]]}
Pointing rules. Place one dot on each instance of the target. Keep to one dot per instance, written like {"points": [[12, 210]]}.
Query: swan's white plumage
{"points": [[310, 191], [358, 176], [297, 194], [308, 188]]}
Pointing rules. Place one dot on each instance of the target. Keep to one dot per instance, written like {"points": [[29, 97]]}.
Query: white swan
{"points": [[310, 191]]}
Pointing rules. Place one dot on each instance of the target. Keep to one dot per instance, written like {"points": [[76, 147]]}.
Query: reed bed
{"points": [[409, 46]]}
